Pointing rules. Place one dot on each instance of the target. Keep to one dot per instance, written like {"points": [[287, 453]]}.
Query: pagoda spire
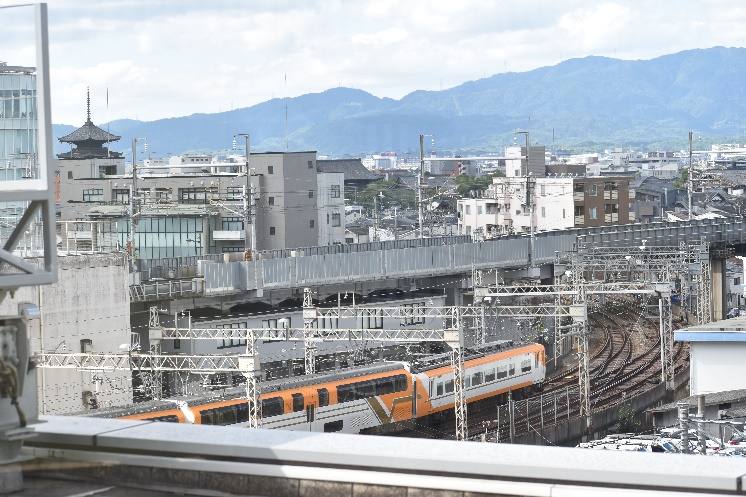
{"points": [[88, 99]]}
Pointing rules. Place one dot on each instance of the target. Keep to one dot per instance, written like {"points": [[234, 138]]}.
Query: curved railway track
{"points": [[625, 360]]}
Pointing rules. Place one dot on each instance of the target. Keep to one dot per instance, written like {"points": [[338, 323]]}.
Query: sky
{"points": [[169, 58]]}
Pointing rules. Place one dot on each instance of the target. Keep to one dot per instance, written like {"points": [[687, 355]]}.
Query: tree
{"points": [[627, 422], [470, 186], [683, 181], [386, 197]]}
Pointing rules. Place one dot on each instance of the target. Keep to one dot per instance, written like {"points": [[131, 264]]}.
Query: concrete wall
{"points": [[90, 301], [573, 430]]}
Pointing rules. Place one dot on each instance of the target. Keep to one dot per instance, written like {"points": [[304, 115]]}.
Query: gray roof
{"points": [[89, 131], [353, 169], [736, 177], [651, 185], [710, 399]]}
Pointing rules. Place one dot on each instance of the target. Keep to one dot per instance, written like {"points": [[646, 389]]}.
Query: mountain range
{"points": [[587, 104]]}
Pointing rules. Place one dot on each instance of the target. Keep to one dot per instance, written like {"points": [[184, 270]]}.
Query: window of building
{"points": [[412, 314], [349, 240], [232, 224], [736, 281], [93, 195], [578, 187], [517, 172], [271, 200], [592, 189], [270, 169], [468, 209], [336, 219], [579, 210], [563, 213], [310, 164], [193, 195], [120, 196], [543, 212], [370, 319], [271, 230], [611, 208], [468, 230], [311, 224], [69, 175], [611, 186], [335, 191], [232, 339], [592, 213], [310, 193], [543, 189], [234, 192], [479, 209]]}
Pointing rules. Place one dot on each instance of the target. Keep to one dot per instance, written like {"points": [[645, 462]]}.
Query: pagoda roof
{"points": [[89, 131]]}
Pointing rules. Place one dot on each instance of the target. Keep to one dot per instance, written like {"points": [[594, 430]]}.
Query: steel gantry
{"points": [[450, 331]]}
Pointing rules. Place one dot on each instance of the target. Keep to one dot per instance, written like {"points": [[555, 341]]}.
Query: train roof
{"points": [[469, 353]]}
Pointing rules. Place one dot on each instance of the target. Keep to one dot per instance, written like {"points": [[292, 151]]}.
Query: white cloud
{"points": [[176, 57]]}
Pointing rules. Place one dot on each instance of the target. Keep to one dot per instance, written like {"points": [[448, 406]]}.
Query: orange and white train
{"points": [[359, 399]]}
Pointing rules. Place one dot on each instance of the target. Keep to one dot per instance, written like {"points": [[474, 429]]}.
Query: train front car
{"points": [[493, 372]]}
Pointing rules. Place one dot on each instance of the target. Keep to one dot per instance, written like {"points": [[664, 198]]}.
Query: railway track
{"points": [[625, 360]]}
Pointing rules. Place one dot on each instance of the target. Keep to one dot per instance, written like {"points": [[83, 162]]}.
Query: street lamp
{"points": [[248, 202], [420, 179], [133, 203], [529, 198]]}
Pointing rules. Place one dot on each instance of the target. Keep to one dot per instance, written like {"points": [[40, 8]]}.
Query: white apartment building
{"points": [[331, 208], [559, 203], [503, 209]]}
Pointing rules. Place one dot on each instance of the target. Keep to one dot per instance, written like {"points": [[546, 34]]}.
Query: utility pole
{"points": [[249, 203], [529, 198], [133, 202], [690, 175], [420, 180]]}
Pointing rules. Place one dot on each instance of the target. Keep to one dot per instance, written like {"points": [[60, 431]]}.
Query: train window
{"points": [[368, 389], [400, 381], [449, 386], [384, 386], [476, 379], [171, 418], [272, 407], [439, 389], [242, 412], [489, 375], [345, 393], [206, 416], [229, 415], [467, 381], [511, 369], [526, 366], [298, 404], [323, 397], [333, 426], [502, 372]]}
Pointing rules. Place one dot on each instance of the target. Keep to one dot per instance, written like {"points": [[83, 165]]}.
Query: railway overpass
{"points": [[410, 264]]}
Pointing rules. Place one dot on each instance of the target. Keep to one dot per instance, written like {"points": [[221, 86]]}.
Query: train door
{"points": [[310, 415]]}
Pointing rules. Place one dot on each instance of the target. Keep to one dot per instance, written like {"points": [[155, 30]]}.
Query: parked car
{"points": [[734, 313]]}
